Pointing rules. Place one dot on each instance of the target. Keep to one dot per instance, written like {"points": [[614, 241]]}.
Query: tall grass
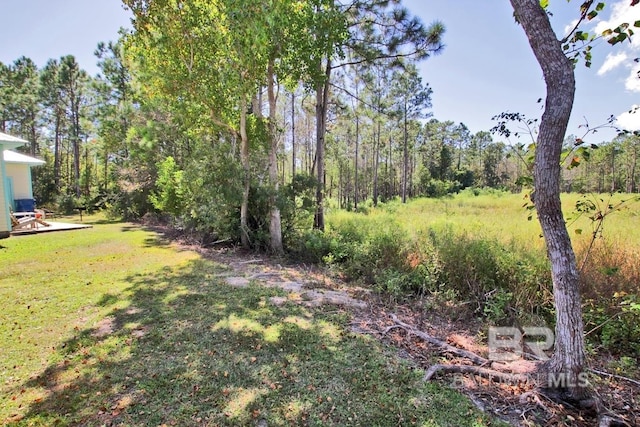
{"points": [[487, 250]]}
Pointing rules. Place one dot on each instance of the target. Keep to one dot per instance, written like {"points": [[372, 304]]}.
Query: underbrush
{"points": [[505, 282]]}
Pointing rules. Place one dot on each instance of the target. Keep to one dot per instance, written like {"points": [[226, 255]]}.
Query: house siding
{"points": [[21, 175], [5, 220]]}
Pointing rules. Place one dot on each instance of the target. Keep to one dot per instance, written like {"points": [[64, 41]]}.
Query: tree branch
{"points": [[479, 360], [477, 370]]}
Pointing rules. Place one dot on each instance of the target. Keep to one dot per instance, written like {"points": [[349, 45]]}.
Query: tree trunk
{"points": [[57, 158], [244, 159], [405, 154], [76, 153], [566, 368], [376, 164], [355, 165], [275, 225], [322, 99], [293, 135]]}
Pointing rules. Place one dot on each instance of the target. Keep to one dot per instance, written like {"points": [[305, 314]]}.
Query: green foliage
{"points": [[169, 196], [437, 188], [296, 202], [614, 323], [67, 204], [365, 247], [502, 281], [213, 192]]}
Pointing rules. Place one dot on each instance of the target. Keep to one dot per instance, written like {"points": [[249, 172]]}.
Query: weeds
{"points": [[481, 248]]}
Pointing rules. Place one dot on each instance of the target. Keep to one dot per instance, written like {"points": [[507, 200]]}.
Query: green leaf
{"points": [[544, 4], [592, 15], [599, 6], [636, 24]]}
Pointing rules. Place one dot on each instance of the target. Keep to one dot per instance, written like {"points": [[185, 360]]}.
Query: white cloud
{"points": [[632, 82], [622, 54], [621, 11], [630, 120], [570, 26], [611, 62]]}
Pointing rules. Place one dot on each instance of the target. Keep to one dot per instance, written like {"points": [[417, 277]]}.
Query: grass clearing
{"points": [[482, 252], [114, 326]]}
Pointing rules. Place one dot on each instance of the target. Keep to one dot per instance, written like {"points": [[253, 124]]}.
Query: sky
{"points": [[486, 68]]}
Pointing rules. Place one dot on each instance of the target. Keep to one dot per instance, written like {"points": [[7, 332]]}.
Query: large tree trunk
{"points": [[566, 368], [275, 225], [244, 159]]}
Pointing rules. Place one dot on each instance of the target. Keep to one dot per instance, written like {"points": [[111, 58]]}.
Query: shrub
{"points": [[614, 323]]}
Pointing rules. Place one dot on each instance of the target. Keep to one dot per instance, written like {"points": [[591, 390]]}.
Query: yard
{"points": [[116, 326]]}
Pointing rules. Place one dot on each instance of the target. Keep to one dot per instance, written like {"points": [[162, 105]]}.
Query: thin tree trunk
{"points": [[244, 159], [566, 367], [56, 154], [355, 164], [275, 225], [405, 156], [293, 135], [322, 98], [376, 163]]}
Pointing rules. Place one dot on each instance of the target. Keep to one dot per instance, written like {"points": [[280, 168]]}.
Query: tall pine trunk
{"points": [[376, 164], [322, 100], [405, 155]]}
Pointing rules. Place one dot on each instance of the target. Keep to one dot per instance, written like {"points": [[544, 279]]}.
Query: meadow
{"points": [[485, 250]]}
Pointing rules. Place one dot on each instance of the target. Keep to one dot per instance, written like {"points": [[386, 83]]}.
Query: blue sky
{"points": [[486, 68]]}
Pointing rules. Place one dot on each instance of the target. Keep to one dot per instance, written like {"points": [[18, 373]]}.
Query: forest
{"points": [[152, 133]]}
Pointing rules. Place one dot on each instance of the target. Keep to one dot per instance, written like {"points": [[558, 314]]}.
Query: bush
{"points": [[614, 323], [439, 188]]}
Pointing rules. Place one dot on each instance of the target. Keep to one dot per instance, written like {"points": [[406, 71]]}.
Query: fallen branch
{"points": [[251, 261], [478, 360], [502, 377], [620, 377], [263, 276]]}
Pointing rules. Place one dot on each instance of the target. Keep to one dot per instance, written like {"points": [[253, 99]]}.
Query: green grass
{"points": [[114, 326], [503, 216], [485, 251]]}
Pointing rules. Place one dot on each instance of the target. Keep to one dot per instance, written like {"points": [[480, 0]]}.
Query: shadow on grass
{"points": [[180, 348]]}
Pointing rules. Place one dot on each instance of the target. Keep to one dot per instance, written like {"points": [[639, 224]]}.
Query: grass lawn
{"points": [[114, 326]]}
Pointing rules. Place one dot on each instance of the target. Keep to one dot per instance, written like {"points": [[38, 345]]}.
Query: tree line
{"points": [[106, 139]]}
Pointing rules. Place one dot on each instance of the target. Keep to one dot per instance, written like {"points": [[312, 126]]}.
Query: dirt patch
{"points": [[104, 327]]}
